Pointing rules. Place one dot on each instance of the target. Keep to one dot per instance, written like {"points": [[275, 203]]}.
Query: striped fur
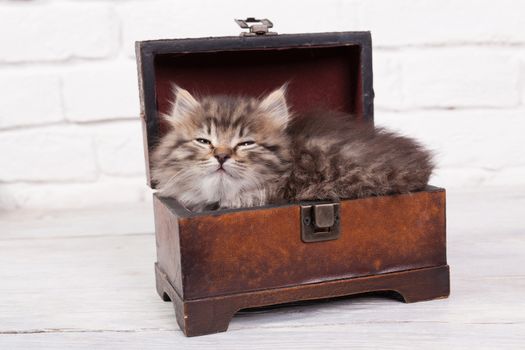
{"points": [[233, 151]]}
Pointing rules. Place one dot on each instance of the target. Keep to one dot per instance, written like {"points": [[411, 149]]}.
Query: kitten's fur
{"points": [[320, 155]]}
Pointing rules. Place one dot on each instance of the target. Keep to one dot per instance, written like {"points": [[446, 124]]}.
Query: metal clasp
{"points": [[261, 28], [320, 222]]}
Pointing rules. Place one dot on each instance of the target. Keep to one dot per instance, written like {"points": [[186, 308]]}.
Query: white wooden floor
{"points": [[84, 280]]}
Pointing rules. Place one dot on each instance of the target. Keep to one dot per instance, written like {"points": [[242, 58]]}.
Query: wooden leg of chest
{"points": [[424, 284], [213, 315], [196, 317]]}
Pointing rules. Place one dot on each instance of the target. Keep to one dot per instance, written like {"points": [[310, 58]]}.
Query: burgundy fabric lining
{"points": [[319, 77]]}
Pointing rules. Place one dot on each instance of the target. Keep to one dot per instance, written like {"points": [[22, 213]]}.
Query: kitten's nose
{"points": [[222, 157]]}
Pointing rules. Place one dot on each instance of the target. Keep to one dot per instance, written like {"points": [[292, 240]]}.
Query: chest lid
{"points": [[328, 70]]}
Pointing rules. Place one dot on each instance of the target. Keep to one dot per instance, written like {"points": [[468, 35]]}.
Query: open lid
{"points": [[329, 70]]}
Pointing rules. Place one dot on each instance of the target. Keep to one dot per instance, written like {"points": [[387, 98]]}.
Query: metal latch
{"points": [[260, 28], [320, 222]]}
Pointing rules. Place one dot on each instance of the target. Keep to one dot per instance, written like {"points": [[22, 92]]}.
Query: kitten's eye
{"points": [[245, 143], [203, 141]]}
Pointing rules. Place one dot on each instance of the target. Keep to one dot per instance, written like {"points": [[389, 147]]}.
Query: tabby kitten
{"points": [[234, 151]]}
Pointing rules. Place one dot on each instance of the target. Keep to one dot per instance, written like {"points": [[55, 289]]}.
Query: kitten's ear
{"points": [[183, 105], [274, 106]]}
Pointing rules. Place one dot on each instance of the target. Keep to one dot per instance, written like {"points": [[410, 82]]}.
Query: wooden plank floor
{"points": [[84, 280]]}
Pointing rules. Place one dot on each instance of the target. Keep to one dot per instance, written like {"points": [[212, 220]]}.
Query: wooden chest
{"points": [[213, 264]]}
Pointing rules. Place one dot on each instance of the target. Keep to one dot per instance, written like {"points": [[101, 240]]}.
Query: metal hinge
{"points": [[320, 222], [260, 28]]}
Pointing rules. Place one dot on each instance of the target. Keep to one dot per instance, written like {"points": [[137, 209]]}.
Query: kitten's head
{"points": [[223, 151]]}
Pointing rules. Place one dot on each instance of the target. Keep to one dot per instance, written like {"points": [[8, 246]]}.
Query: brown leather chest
{"points": [[215, 263]]}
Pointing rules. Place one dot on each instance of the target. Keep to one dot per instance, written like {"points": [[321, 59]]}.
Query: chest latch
{"points": [[260, 28], [320, 222]]}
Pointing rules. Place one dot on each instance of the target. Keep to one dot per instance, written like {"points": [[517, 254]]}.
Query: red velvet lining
{"points": [[327, 77]]}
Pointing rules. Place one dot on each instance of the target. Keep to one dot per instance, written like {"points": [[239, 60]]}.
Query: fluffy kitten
{"points": [[233, 151]]}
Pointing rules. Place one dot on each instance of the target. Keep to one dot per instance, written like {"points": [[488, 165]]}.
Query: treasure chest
{"points": [[213, 264]]}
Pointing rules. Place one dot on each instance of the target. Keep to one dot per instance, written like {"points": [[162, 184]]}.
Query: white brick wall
{"points": [[105, 90], [19, 86], [36, 31], [460, 77], [451, 73], [58, 153]]}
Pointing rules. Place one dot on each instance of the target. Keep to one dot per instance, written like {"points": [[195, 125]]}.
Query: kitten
{"points": [[234, 151]]}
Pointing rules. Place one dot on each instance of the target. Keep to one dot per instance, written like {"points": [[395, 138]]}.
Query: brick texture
{"points": [[445, 23], [450, 73], [470, 77], [119, 148], [29, 98], [36, 31], [102, 91], [48, 154]]}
